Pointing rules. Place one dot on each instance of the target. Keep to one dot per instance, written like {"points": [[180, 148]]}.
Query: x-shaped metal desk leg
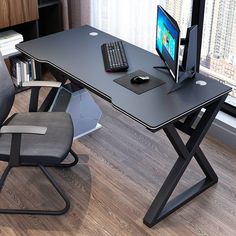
{"points": [[160, 208]]}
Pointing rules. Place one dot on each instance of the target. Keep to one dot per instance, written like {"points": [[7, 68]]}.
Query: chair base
{"points": [[52, 181], [76, 159], [37, 212], [62, 165]]}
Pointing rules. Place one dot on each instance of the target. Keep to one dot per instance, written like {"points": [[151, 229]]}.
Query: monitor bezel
{"points": [[175, 74]]}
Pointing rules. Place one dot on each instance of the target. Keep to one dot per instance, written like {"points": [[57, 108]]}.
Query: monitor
{"points": [[168, 41]]}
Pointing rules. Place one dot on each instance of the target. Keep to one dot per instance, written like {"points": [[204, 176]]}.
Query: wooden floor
{"points": [[121, 169]]}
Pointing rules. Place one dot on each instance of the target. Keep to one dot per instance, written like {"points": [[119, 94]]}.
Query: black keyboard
{"points": [[114, 57]]}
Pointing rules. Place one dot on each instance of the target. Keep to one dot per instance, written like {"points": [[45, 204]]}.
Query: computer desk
{"points": [[77, 54]]}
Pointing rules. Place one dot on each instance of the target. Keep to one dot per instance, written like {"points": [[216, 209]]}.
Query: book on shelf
{"points": [[8, 51], [22, 69], [8, 40], [15, 71], [10, 44], [9, 35], [33, 69]]}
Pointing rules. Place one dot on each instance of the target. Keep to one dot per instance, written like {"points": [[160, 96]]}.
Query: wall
{"points": [[79, 12]]}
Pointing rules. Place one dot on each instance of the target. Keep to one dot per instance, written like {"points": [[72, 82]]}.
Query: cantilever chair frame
{"points": [[14, 159]]}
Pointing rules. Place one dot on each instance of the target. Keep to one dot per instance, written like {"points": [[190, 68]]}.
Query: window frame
{"points": [[198, 19]]}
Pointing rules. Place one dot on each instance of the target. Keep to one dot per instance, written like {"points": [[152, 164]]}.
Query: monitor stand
{"points": [[183, 77], [188, 68], [160, 67]]}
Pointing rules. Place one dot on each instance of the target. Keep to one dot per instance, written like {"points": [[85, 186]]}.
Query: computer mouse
{"points": [[139, 79]]}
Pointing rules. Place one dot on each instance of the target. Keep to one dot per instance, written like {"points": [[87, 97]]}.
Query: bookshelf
{"points": [[49, 9], [32, 19]]}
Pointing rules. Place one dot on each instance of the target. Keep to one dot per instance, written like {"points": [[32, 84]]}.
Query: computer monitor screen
{"points": [[168, 41]]}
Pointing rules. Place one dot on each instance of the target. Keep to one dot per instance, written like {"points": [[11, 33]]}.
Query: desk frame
{"points": [[76, 43], [160, 207]]}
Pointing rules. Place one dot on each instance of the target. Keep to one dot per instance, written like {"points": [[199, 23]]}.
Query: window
{"points": [[218, 53]]}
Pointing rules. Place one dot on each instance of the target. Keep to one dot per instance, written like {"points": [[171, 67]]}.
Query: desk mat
{"points": [[139, 88]]}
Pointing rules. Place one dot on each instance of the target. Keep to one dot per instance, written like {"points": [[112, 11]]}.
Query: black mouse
{"points": [[139, 79]]}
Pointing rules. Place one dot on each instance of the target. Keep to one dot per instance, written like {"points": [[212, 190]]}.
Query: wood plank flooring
{"points": [[122, 166]]}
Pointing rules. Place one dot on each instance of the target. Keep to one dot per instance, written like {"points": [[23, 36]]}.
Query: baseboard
{"points": [[223, 129]]}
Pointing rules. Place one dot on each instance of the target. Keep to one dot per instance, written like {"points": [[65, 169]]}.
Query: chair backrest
{"points": [[7, 91]]}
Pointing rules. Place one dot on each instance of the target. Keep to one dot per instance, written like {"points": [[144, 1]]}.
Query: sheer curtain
{"points": [[135, 20], [130, 20]]}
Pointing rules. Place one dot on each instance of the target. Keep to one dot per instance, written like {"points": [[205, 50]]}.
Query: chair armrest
{"points": [[40, 83], [23, 129], [17, 131], [35, 86]]}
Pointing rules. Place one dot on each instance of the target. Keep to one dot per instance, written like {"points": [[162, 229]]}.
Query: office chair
{"points": [[39, 139]]}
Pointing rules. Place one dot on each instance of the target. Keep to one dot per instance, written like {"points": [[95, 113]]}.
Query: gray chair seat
{"points": [[29, 146], [51, 148]]}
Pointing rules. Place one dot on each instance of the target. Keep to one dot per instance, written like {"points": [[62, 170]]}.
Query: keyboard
{"points": [[114, 57]]}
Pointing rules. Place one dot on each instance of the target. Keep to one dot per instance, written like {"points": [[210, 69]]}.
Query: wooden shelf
{"points": [[32, 19], [17, 12], [52, 9], [48, 4]]}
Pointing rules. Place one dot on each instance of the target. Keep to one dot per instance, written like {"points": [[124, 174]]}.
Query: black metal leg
{"points": [[189, 121], [64, 165], [4, 176], [205, 165], [39, 212], [160, 207], [34, 97]]}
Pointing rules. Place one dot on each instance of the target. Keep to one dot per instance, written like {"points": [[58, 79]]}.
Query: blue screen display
{"points": [[167, 35], [167, 41]]}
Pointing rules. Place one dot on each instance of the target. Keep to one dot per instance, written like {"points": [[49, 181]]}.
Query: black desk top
{"points": [[78, 54]]}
